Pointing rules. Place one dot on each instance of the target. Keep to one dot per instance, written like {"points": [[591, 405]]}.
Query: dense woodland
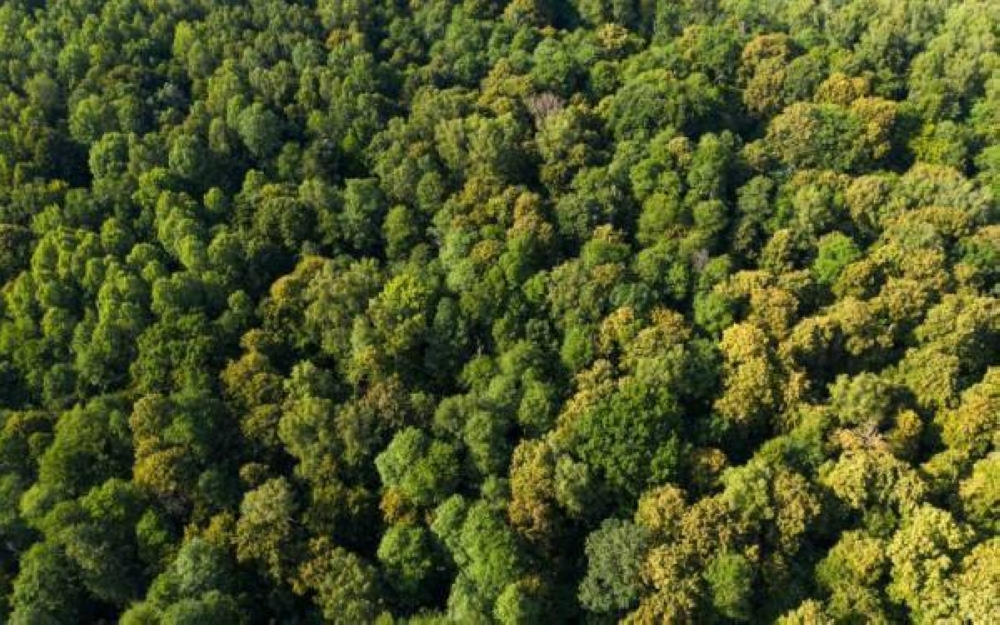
{"points": [[437, 311]]}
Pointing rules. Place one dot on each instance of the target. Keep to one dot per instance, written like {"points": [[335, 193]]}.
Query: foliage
{"points": [[581, 311]]}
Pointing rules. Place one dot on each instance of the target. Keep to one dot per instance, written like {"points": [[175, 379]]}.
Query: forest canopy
{"points": [[436, 311]]}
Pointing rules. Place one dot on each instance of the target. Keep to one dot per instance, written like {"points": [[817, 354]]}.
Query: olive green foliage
{"points": [[514, 311]]}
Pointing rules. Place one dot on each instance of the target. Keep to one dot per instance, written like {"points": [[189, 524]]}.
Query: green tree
{"points": [[424, 470], [345, 586], [614, 558]]}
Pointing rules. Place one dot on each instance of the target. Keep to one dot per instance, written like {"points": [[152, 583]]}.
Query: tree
{"points": [[835, 251], [653, 100], [265, 532], [46, 587], [763, 68], [15, 246], [816, 136], [486, 552], [260, 130], [533, 508], [176, 440], [364, 209], [524, 601], [424, 470], [90, 446], [345, 586], [630, 438], [730, 580], [924, 554], [752, 378], [874, 481], [977, 583], [980, 495], [413, 564], [213, 607], [854, 573], [91, 119], [97, 534], [614, 556]]}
